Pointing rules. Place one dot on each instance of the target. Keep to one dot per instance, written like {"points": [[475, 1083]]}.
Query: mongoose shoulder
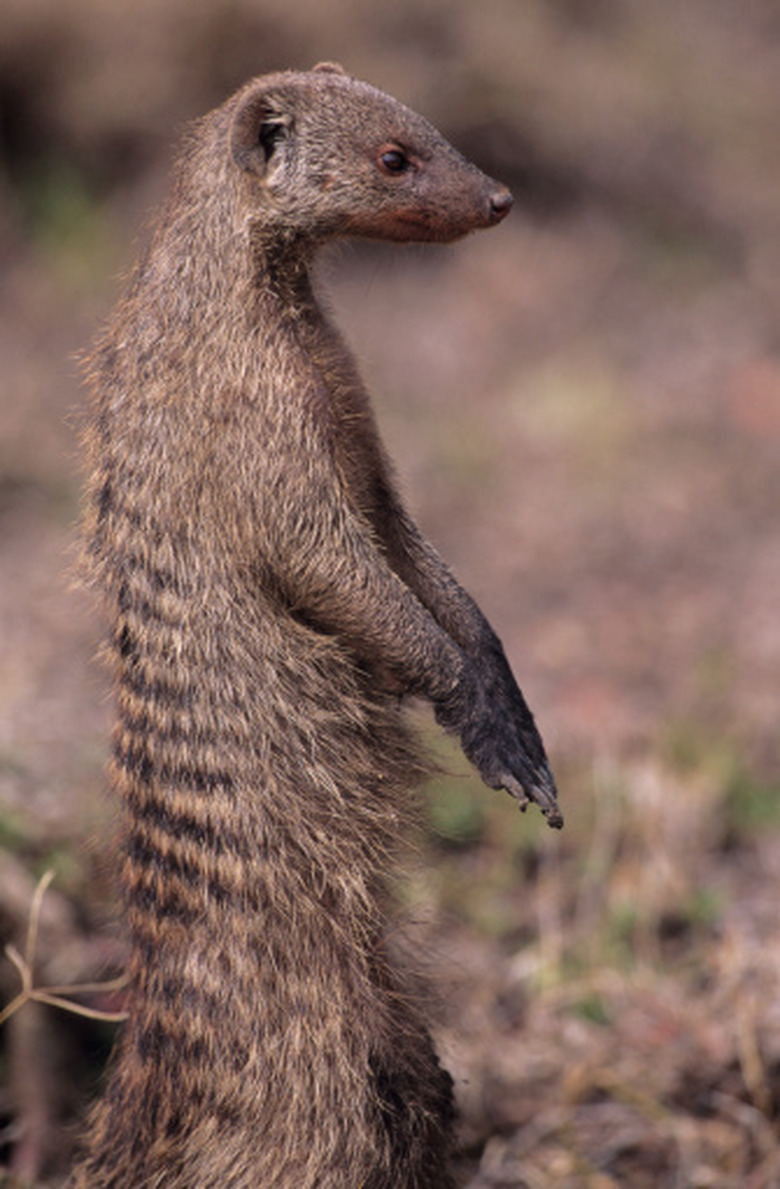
{"points": [[270, 599]]}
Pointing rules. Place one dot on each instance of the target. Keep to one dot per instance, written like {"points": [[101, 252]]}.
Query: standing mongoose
{"points": [[270, 602]]}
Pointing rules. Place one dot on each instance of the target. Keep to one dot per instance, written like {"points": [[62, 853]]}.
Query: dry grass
{"points": [[609, 996], [622, 1027]]}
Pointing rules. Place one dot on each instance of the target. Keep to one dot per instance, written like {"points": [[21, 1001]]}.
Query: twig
{"points": [[52, 996]]}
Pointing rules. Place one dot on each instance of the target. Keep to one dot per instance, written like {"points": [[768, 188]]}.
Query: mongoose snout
{"points": [[500, 205]]}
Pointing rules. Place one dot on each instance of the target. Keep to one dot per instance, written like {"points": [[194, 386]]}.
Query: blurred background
{"points": [[584, 408]]}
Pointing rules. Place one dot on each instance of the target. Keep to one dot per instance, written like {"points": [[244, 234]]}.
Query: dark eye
{"points": [[394, 161]]}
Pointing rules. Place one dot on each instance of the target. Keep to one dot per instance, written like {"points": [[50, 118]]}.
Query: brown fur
{"points": [[270, 599]]}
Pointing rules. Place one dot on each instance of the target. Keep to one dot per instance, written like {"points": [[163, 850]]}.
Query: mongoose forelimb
{"points": [[270, 602]]}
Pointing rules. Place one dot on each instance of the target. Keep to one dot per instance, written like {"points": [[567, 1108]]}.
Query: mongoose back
{"points": [[270, 603]]}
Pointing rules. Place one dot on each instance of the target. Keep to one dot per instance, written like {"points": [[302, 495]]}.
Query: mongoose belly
{"points": [[263, 817]]}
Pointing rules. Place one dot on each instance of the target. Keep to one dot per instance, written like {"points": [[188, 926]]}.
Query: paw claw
{"points": [[542, 795]]}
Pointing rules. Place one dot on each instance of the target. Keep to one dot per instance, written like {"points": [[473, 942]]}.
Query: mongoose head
{"points": [[325, 155]]}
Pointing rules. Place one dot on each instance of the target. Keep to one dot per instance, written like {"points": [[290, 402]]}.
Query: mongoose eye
{"points": [[394, 161]]}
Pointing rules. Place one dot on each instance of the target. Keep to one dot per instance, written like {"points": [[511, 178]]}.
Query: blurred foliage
{"points": [[62, 219]]}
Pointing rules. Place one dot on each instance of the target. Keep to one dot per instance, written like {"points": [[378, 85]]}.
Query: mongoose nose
{"points": [[500, 205]]}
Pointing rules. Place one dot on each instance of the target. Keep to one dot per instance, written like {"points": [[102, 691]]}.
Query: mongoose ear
{"points": [[259, 126], [329, 68]]}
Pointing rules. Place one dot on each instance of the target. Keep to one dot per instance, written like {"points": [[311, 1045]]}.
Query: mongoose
{"points": [[270, 603]]}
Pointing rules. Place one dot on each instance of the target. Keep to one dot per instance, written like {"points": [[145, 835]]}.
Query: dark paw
{"points": [[499, 736]]}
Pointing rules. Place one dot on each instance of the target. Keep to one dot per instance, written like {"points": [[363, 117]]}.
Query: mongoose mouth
{"points": [[439, 226]]}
